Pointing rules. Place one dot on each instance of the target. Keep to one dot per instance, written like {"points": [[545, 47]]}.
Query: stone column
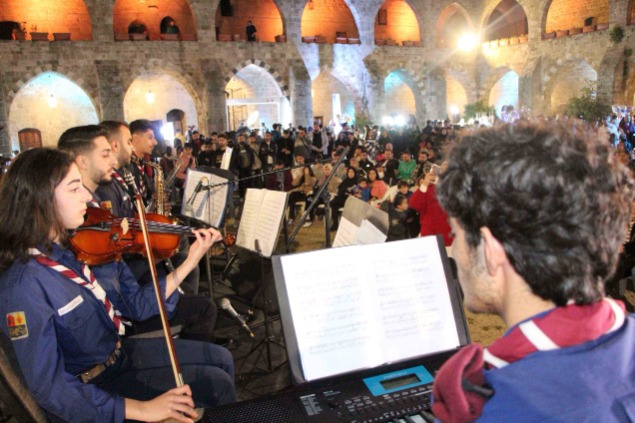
{"points": [[300, 92], [5, 141], [214, 95], [110, 89], [101, 19]]}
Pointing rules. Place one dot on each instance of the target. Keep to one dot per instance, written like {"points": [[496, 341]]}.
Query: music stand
{"points": [[263, 213], [205, 199]]}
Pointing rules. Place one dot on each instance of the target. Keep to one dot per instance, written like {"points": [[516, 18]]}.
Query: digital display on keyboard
{"points": [[398, 382]]}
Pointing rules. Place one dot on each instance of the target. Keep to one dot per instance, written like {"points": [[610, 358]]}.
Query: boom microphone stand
{"points": [[326, 196]]}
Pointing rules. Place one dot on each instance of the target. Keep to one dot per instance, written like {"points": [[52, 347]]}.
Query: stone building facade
{"points": [[377, 55]]}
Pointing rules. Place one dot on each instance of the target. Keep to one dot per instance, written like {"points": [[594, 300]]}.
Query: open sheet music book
{"points": [[261, 219], [206, 205], [358, 307]]}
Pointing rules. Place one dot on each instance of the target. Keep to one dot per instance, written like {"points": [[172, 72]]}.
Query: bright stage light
{"points": [[400, 120], [468, 41], [454, 110]]}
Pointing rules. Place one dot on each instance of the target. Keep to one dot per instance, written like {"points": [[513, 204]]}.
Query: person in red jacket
{"points": [[432, 218]]}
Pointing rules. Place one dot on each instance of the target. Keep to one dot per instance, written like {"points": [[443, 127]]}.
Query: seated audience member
{"points": [[398, 219], [388, 169], [279, 181], [538, 212], [377, 187], [362, 190], [325, 172], [343, 191], [302, 187], [433, 219], [63, 317]]}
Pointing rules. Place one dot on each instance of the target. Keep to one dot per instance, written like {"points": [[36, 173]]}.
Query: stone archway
{"points": [[51, 102], [452, 22], [565, 81], [508, 19], [254, 98]]}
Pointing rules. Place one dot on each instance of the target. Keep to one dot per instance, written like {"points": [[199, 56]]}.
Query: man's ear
{"points": [[495, 256], [82, 162]]}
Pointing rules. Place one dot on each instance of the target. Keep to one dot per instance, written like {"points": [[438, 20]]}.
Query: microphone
{"points": [[198, 188], [227, 306]]}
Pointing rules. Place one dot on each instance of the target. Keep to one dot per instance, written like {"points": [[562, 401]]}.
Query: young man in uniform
{"points": [[539, 213]]}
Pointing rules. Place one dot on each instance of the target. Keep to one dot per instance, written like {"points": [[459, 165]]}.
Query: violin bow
{"points": [[176, 369]]}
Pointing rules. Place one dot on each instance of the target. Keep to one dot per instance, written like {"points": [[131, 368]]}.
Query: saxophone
{"points": [[157, 204], [162, 186]]}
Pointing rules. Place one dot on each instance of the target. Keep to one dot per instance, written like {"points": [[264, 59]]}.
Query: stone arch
{"points": [[126, 11], [564, 80], [453, 15], [51, 16], [157, 68], [443, 83], [407, 18], [321, 104], [265, 14], [567, 14], [70, 73], [29, 106], [316, 20], [260, 98], [507, 19], [272, 71], [415, 85], [501, 88]]}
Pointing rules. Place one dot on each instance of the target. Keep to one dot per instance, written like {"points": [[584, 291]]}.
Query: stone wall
{"points": [[263, 13], [106, 70], [49, 16]]}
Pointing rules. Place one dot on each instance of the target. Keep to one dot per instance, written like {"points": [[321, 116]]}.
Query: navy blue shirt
{"points": [[64, 330]]}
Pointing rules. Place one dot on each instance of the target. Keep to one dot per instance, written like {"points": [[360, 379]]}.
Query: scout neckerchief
{"points": [[460, 391], [128, 184], [88, 281], [142, 185]]}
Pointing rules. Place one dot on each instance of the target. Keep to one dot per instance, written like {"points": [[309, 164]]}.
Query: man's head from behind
{"points": [[552, 197]]}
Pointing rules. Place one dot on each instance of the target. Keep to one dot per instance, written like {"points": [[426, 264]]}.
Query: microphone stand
{"points": [[270, 172], [326, 196]]}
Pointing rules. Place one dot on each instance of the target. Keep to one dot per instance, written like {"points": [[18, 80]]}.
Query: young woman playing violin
{"points": [[65, 320]]}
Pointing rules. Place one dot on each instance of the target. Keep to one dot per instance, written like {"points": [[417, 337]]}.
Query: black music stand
{"points": [[263, 349]]}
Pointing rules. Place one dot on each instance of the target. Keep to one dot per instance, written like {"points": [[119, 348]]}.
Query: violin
{"points": [[104, 237]]}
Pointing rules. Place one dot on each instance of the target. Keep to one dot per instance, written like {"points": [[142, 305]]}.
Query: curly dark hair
{"points": [[28, 214], [554, 196]]}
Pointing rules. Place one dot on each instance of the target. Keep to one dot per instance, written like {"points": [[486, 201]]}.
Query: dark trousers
{"points": [[143, 371], [195, 313]]}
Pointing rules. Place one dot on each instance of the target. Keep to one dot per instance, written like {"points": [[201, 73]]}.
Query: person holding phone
{"points": [[433, 219]]}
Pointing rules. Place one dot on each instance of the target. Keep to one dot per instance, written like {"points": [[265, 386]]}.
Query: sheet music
{"points": [[208, 205], [261, 219], [361, 224], [346, 233], [369, 234], [353, 314], [269, 220], [227, 157]]}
